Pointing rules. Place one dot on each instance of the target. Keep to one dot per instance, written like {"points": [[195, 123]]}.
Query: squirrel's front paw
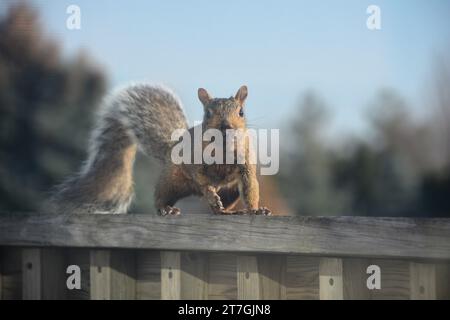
{"points": [[261, 211], [168, 210]]}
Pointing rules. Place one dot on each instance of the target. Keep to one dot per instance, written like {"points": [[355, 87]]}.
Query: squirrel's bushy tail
{"points": [[141, 115], [148, 113]]}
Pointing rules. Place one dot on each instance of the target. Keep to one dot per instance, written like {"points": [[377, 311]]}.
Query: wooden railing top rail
{"points": [[329, 236]]}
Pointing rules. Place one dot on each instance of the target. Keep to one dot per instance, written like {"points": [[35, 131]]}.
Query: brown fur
{"points": [[220, 184], [143, 117], [122, 182]]}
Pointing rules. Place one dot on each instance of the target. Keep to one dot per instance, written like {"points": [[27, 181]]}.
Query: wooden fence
{"points": [[222, 257]]}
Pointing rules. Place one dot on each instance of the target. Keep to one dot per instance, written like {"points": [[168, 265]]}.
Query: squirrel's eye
{"points": [[209, 113], [241, 112]]}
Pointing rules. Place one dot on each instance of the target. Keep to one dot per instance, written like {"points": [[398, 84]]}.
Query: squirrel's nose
{"points": [[225, 125]]}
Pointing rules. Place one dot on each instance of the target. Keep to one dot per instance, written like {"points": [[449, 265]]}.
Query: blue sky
{"points": [[278, 48]]}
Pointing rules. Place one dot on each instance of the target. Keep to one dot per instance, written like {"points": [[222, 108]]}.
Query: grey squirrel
{"points": [[143, 117]]}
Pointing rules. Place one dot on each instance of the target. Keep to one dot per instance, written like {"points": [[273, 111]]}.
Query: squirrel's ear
{"points": [[241, 95], [204, 96]]}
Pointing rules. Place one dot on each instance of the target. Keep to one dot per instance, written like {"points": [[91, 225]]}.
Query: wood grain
{"points": [[194, 275], [331, 279], [302, 277], [272, 276], [422, 281], [170, 275], [327, 236], [81, 258], [395, 276], [100, 274], [11, 261], [31, 274], [148, 275], [248, 280], [112, 275], [1, 273], [443, 281], [222, 283], [53, 273], [355, 279]]}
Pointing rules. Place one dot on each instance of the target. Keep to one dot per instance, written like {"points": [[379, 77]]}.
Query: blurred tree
{"points": [[435, 191], [388, 175], [46, 103], [305, 171], [441, 95], [435, 187], [387, 172]]}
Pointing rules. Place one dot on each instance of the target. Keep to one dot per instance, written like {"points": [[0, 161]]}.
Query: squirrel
{"points": [[143, 117]]}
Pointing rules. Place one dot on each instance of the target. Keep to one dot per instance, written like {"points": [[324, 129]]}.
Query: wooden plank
{"points": [[100, 274], [394, 280], [443, 281], [302, 277], [148, 275], [31, 274], [326, 236], [355, 279], [222, 283], [194, 275], [43, 274], [422, 281], [247, 278], [1, 272], [272, 276], [170, 275], [53, 274], [123, 275], [81, 258], [112, 275], [11, 273], [331, 285]]}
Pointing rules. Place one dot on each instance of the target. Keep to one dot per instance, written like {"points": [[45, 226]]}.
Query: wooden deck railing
{"points": [[222, 257]]}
